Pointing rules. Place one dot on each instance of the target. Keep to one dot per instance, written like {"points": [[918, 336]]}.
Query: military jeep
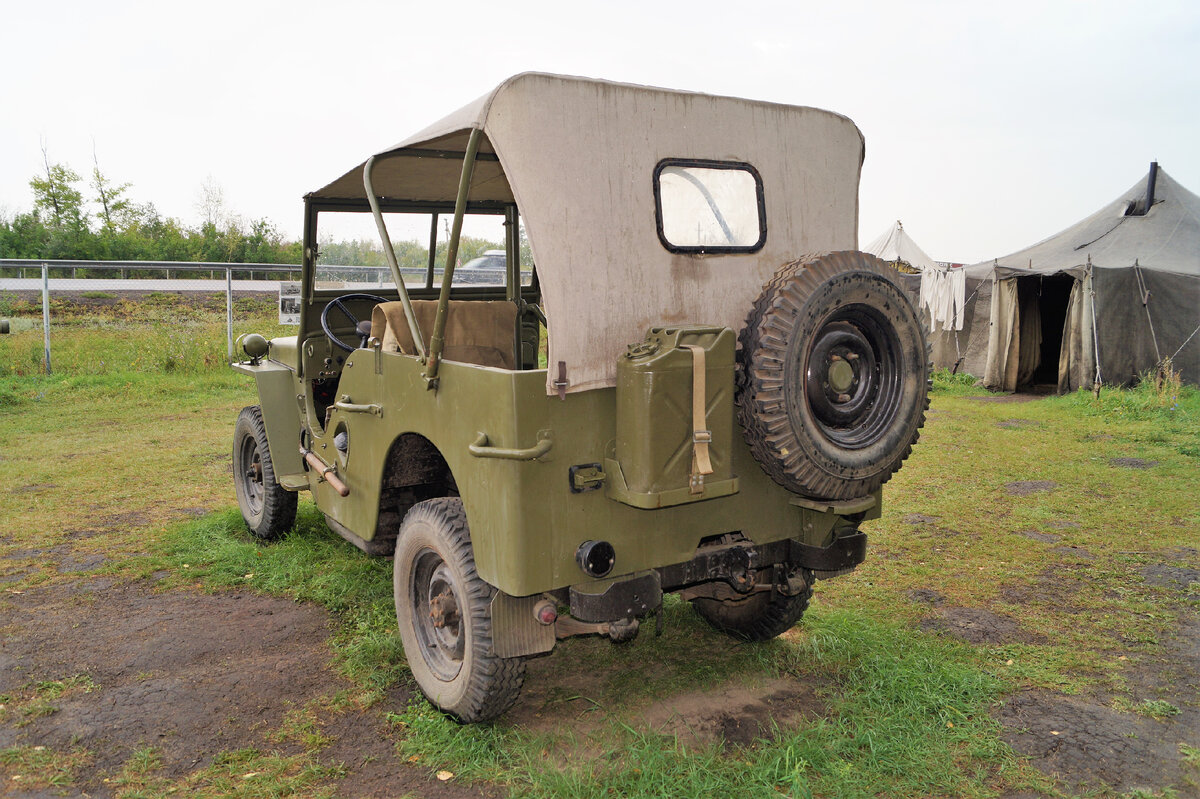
{"points": [[693, 384]]}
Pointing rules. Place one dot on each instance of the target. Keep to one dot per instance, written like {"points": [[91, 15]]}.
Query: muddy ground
{"points": [[192, 675], [195, 674]]}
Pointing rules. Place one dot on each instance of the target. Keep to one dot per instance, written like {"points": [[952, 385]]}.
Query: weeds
{"points": [[945, 382], [1158, 709]]}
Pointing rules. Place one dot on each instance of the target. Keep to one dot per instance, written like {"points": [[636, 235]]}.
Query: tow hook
{"points": [[790, 581], [623, 630]]}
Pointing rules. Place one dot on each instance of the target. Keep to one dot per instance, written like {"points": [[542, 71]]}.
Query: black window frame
{"points": [[705, 163]]}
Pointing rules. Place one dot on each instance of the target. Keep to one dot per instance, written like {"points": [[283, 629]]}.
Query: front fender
{"points": [[281, 416]]}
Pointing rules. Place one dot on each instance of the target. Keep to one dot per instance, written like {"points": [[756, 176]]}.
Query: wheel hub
{"points": [[443, 610], [850, 378], [841, 377], [438, 621], [252, 475]]}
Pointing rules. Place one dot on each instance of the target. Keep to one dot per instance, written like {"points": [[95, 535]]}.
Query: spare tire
{"points": [[833, 377]]}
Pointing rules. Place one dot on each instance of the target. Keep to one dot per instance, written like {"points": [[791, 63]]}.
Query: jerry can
{"points": [[671, 449]]}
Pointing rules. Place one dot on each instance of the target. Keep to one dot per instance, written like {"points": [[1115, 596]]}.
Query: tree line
{"points": [[100, 221]]}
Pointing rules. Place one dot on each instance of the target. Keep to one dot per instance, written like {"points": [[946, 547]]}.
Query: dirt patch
{"points": [[1132, 463], [1023, 488], [1017, 424], [1086, 744], [1177, 578], [1051, 589], [1045, 538], [918, 518], [736, 715], [70, 563], [1062, 524], [978, 626], [191, 674], [175, 671], [1074, 552], [365, 746], [65, 558], [1101, 743], [34, 488], [927, 596], [131, 519]]}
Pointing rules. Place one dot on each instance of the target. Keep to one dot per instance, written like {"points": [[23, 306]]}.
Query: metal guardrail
{"points": [[47, 276], [220, 278]]}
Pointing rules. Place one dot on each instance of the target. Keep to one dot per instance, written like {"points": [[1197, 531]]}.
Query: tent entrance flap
{"points": [[1052, 297], [1029, 327]]}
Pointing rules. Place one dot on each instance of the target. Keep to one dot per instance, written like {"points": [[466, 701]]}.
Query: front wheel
{"points": [[444, 611], [268, 508]]}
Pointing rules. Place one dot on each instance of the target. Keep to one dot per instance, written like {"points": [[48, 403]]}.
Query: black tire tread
{"points": [[759, 395], [279, 504]]}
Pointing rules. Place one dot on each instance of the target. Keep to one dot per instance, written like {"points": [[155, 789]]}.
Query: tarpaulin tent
{"points": [[1104, 300], [937, 291], [897, 247]]}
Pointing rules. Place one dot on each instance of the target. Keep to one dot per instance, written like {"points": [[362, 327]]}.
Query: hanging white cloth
{"points": [[943, 293]]}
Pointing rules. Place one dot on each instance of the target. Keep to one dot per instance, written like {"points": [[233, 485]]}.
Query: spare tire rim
{"points": [[852, 376]]}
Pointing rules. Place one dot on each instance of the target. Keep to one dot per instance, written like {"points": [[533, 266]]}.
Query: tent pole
{"points": [[1145, 298], [1091, 289]]}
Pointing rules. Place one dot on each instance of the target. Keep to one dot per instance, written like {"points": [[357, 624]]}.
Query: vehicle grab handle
{"points": [[480, 448]]}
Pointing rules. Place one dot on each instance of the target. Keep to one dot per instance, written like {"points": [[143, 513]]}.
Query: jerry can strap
{"points": [[701, 435]]}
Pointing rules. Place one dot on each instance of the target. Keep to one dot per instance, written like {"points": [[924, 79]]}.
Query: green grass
{"points": [[908, 717], [38, 768], [161, 334], [118, 443]]}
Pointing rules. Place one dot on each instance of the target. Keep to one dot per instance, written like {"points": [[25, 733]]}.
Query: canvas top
{"points": [[590, 164]]}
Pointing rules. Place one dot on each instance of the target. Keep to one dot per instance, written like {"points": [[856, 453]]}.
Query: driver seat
{"points": [[477, 332]]}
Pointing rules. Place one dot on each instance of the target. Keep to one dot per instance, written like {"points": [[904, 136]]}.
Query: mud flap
{"points": [[516, 632]]}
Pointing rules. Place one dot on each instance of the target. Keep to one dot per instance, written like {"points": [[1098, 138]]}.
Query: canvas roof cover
{"points": [[1165, 239], [578, 157]]}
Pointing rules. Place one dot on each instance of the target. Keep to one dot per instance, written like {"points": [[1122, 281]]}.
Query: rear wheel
{"points": [[268, 508], [444, 611], [759, 617]]}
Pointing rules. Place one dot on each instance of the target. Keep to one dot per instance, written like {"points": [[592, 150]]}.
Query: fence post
{"points": [[229, 309], [46, 314]]}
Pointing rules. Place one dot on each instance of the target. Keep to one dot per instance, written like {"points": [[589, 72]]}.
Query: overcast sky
{"points": [[989, 126]]}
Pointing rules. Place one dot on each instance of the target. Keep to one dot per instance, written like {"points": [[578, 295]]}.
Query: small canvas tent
{"points": [[897, 248], [1102, 301], [936, 291]]}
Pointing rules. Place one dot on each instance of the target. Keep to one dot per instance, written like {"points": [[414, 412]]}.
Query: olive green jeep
{"points": [[688, 381]]}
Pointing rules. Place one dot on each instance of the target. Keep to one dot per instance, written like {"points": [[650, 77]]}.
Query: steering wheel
{"points": [[338, 304]]}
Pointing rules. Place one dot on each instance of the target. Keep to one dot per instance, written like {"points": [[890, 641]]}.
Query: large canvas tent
{"points": [[1104, 300]]}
